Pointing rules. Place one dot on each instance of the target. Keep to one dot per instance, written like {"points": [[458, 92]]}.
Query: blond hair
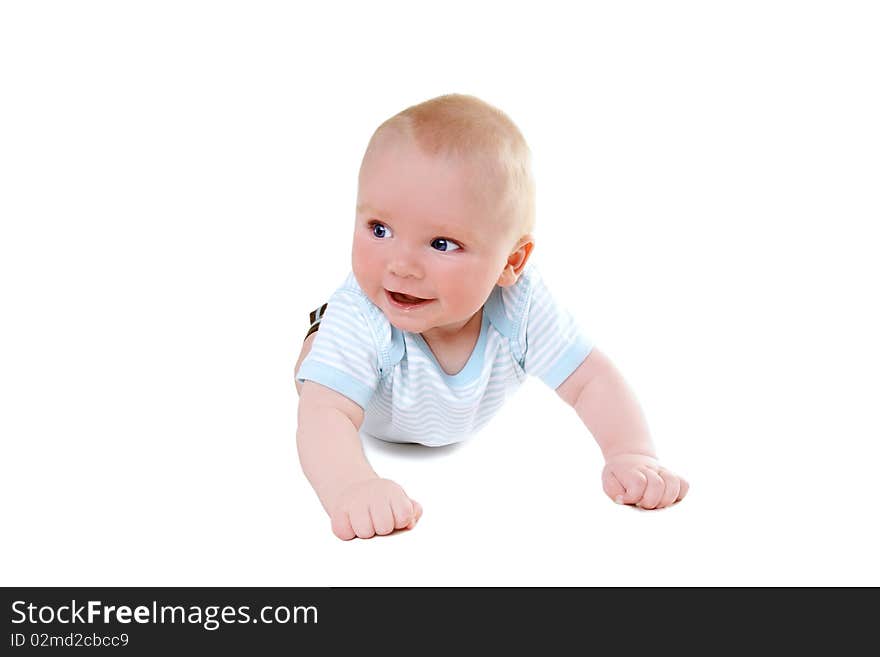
{"points": [[469, 129]]}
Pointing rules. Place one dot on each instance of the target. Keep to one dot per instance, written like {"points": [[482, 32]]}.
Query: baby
{"points": [[443, 316]]}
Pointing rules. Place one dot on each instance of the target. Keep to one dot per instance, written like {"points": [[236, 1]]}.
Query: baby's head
{"points": [[445, 210]]}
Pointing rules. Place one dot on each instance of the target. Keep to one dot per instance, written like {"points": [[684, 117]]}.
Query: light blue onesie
{"points": [[406, 395]]}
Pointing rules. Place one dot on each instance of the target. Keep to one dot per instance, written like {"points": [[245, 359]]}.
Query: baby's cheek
{"points": [[457, 292], [367, 267], [463, 292]]}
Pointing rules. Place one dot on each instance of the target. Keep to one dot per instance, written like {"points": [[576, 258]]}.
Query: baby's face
{"points": [[426, 250]]}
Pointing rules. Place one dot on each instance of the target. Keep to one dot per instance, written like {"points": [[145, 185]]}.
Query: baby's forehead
{"points": [[467, 190], [479, 176]]}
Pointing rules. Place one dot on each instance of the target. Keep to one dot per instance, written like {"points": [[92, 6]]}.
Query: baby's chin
{"points": [[409, 327], [408, 324]]}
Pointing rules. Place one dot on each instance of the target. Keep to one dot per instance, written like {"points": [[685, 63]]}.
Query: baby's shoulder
{"points": [[350, 299], [350, 294], [507, 306], [354, 301], [508, 309]]}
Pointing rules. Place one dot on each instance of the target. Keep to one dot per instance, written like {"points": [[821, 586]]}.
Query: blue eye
{"points": [[443, 244], [379, 230]]}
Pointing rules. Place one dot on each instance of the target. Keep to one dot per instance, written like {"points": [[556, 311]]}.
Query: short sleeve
{"points": [[344, 356], [555, 343]]}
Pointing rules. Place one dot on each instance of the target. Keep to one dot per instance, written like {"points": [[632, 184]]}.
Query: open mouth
{"points": [[405, 300]]}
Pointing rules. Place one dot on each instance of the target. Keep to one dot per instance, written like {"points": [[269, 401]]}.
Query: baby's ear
{"points": [[516, 261]]}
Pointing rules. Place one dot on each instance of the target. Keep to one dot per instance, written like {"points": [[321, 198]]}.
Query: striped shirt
{"points": [[406, 395]]}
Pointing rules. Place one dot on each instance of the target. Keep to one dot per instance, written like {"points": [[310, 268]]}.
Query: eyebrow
{"points": [[363, 207]]}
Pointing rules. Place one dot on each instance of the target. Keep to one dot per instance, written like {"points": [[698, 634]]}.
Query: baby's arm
{"points": [[632, 474], [358, 502]]}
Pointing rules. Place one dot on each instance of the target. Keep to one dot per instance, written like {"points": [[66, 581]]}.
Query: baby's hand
{"points": [[641, 480], [374, 506]]}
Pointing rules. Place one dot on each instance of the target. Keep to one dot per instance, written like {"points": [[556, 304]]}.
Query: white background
{"points": [[177, 189]]}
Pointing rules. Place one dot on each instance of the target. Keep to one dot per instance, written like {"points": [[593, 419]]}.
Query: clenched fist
{"points": [[641, 480], [370, 507]]}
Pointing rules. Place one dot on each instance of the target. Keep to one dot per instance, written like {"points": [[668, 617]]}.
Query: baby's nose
{"points": [[405, 268]]}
